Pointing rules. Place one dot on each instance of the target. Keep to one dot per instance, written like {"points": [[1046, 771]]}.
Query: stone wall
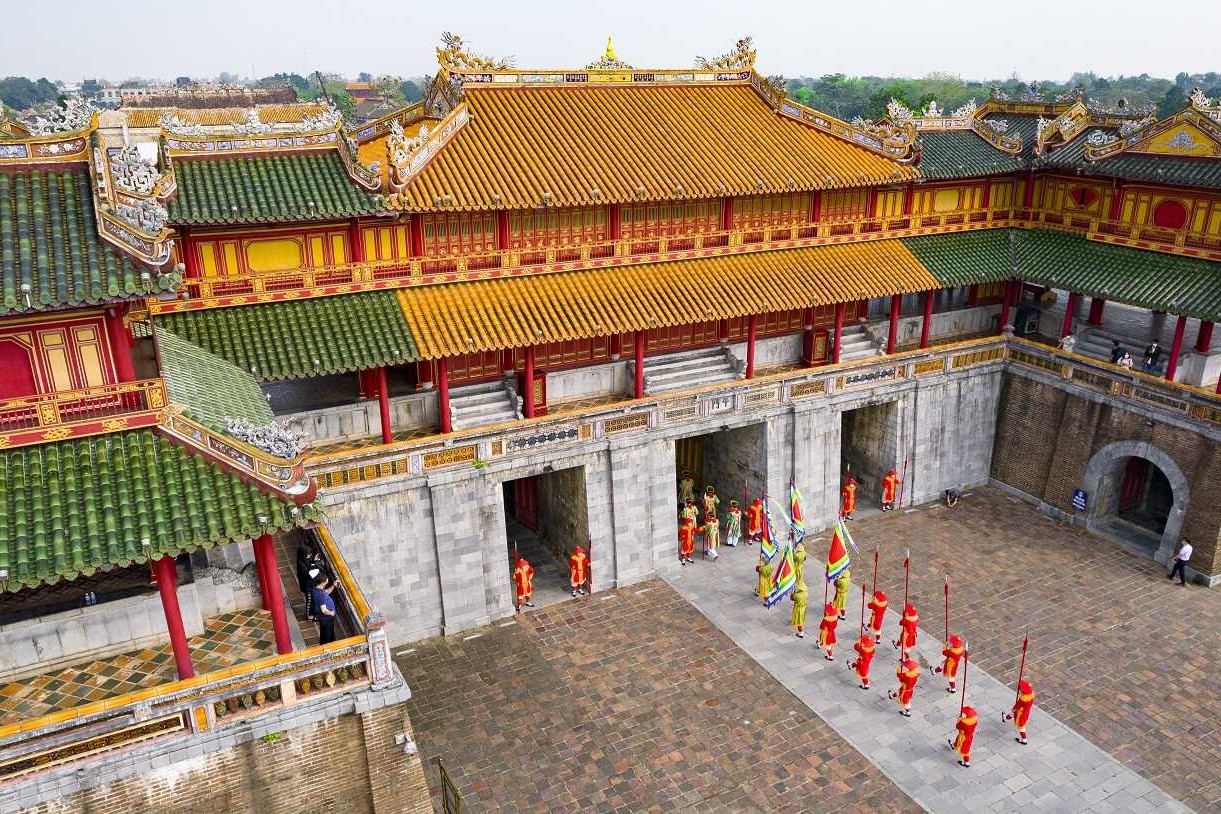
{"points": [[1054, 437], [363, 419], [304, 760], [563, 511], [869, 446], [735, 459]]}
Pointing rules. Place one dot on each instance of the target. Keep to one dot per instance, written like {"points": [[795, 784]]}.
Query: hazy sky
{"points": [[1040, 39]]}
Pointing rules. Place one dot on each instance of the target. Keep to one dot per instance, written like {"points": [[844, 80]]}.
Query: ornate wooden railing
{"points": [[77, 413], [350, 277], [1174, 241]]}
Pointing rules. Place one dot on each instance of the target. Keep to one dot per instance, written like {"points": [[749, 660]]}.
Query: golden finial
{"points": [[610, 49]]}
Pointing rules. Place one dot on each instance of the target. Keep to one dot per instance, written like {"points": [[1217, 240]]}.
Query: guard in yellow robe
{"points": [[764, 569], [843, 584], [798, 619], [799, 560], [712, 537], [686, 488]]}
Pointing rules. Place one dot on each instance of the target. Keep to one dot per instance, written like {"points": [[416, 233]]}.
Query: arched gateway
{"points": [[1141, 486]]}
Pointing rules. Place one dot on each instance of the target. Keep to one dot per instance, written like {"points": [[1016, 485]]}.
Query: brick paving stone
{"points": [[1118, 653], [630, 705]]}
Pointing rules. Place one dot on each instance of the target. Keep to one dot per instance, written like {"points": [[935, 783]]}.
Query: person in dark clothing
{"points": [[1117, 351], [1152, 353], [325, 609], [309, 565]]}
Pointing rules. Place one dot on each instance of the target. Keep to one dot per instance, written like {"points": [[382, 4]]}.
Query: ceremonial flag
{"points": [[767, 546], [798, 523], [784, 577], [847, 535], [837, 556]]}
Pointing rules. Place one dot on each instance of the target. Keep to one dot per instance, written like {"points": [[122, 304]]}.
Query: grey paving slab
{"points": [[1058, 771]]}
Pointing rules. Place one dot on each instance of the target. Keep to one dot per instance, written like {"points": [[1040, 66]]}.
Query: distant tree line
{"points": [[19, 93]]}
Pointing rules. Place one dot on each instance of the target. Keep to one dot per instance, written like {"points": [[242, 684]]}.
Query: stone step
{"points": [[472, 399], [698, 353], [484, 408], [691, 380], [685, 364], [494, 386], [466, 423]]}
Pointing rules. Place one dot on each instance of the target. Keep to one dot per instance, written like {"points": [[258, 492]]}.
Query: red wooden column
{"points": [[639, 388], [726, 214], [807, 337], [614, 221], [527, 395], [1028, 192], [891, 339], [1204, 338], [871, 203], [265, 561], [927, 324], [264, 591], [909, 199], [167, 585], [816, 206], [1176, 348], [1070, 310], [383, 404], [839, 331], [356, 243], [443, 395], [1117, 201], [751, 331], [1006, 304], [1097, 305], [502, 230], [416, 231], [186, 247], [120, 345], [985, 197]]}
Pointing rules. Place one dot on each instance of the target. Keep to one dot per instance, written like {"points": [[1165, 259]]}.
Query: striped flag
{"points": [[767, 546], [784, 577], [798, 513], [837, 556]]}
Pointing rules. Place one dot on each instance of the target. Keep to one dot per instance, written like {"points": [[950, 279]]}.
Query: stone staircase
{"points": [[856, 343], [692, 368], [1096, 344], [480, 404]]}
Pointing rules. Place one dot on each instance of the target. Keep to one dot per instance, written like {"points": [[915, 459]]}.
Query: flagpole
{"points": [[863, 608], [875, 570], [947, 607], [902, 483], [1022, 668], [966, 659], [907, 556], [826, 584]]}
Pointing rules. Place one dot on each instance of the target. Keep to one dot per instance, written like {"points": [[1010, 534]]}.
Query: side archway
{"points": [[1102, 483]]}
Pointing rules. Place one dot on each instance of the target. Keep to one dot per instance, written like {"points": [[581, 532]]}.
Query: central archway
{"points": [[1141, 486]]}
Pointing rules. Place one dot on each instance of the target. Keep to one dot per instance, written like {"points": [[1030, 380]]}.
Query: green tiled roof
{"points": [[49, 241], [1159, 169], [266, 189], [301, 338], [71, 507], [966, 258], [211, 388], [1024, 124], [962, 154]]}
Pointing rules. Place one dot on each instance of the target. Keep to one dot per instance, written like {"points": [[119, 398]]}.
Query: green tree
{"points": [[20, 93], [1172, 102]]}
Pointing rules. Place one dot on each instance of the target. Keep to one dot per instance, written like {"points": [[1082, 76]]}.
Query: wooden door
{"points": [[1132, 490], [525, 502]]}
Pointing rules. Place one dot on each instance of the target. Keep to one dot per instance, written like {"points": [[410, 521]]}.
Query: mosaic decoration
{"points": [[171, 123], [326, 119], [253, 126], [147, 215], [1198, 98], [131, 172], [966, 111], [275, 438], [1133, 125], [73, 116]]}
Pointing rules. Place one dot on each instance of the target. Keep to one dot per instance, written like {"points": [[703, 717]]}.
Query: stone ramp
{"points": [[1059, 771]]}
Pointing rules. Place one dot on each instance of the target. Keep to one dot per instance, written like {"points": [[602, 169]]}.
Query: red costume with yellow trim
{"points": [[848, 499], [754, 521], [686, 540], [1022, 707], [877, 612], [952, 655], [907, 628], [578, 572], [908, 674], [523, 581], [826, 630], [865, 649], [890, 489], [968, 719]]}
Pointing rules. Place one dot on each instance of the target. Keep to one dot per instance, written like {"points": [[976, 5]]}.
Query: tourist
{"points": [[877, 612], [577, 573], [951, 655], [907, 629], [733, 525], [686, 488], [754, 522], [1022, 707], [864, 649], [908, 674], [1152, 354], [686, 543], [523, 581], [1117, 351], [826, 631], [1180, 562], [1067, 343], [848, 498], [309, 565], [968, 719], [712, 536], [890, 488], [843, 584], [324, 606], [798, 619], [1126, 361]]}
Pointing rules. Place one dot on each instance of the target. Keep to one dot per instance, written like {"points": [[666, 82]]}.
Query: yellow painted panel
{"points": [[231, 267], [85, 333], [1199, 216], [55, 355], [946, 200], [1186, 139], [317, 251], [370, 238], [90, 357], [400, 241], [383, 244], [339, 248], [207, 258], [1214, 222], [890, 203], [275, 254]]}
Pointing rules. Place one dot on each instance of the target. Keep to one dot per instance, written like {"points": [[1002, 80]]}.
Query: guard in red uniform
{"points": [[523, 581], [908, 673], [907, 629], [877, 612], [890, 489], [826, 631], [864, 657], [578, 570], [754, 522], [686, 540], [968, 719], [848, 498], [952, 654], [1020, 715]]}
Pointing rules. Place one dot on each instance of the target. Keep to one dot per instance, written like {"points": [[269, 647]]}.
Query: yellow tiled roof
{"points": [[458, 318], [700, 141], [148, 116]]}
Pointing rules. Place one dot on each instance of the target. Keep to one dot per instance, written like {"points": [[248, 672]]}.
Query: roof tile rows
{"points": [[962, 154], [211, 388]]}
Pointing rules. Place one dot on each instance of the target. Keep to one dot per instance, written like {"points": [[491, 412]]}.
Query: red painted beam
{"points": [[167, 585]]}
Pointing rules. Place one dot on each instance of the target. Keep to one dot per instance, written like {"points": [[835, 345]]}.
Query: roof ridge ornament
{"points": [[741, 57], [253, 125], [74, 116], [608, 61], [454, 56]]}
